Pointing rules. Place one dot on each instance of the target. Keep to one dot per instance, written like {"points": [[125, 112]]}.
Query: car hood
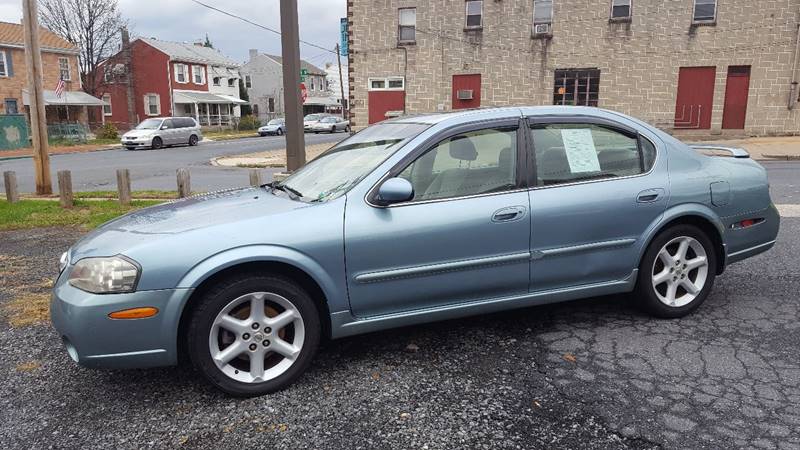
{"points": [[197, 214], [138, 133]]}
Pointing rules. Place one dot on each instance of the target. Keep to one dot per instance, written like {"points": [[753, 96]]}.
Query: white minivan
{"points": [[158, 132]]}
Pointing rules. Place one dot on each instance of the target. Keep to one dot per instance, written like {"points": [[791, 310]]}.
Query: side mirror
{"points": [[394, 190], [164, 127]]}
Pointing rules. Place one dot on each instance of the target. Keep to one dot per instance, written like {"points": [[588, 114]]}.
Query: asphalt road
{"points": [[155, 169], [592, 374]]}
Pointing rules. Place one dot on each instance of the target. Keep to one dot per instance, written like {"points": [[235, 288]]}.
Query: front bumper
{"points": [[137, 142], [93, 339]]}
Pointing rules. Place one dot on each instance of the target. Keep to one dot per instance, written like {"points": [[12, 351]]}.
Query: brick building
{"points": [[688, 66], [150, 77], [59, 61]]}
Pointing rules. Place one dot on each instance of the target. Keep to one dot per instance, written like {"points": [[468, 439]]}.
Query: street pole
{"points": [[290, 53], [341, 82], [33, 59]]}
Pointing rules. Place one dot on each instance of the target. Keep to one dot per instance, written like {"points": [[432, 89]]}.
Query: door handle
{"points": [[649, 195], [509, 214]]}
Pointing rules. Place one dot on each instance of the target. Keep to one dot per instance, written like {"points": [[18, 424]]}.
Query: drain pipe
{"points": [[793, 88]]}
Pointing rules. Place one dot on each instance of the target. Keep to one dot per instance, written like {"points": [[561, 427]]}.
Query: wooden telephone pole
{"points": [[290, 56], [33, 59]]}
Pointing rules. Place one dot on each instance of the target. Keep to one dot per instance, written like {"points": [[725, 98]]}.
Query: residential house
{"points": [[170, 79], [263, 79], [59, 62], [692, 67]]}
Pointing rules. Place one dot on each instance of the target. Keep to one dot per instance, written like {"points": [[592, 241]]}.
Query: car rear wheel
{"points": [[280, 132], [253, 334], [677, 272], [157, 143], [193, 140]]}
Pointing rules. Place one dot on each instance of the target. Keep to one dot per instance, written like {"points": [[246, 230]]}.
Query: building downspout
{"points": [[793, 86], [405, 75]]}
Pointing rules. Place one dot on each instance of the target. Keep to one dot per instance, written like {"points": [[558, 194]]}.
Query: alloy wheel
{"points": [[256, 337], [680, 271]]}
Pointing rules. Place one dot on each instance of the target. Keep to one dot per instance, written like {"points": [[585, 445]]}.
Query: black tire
{"points": [[347, 129], [213, 301], [645, 293], [157, 143], [280, 132], [193, 140]]}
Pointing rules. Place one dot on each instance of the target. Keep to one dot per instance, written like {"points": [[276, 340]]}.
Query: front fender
{"points": [[676, 212], [337, 301]]}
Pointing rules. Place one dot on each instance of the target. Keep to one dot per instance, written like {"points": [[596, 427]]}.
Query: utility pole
{"points": [[341, 82], [290, 54], [33, 59]]}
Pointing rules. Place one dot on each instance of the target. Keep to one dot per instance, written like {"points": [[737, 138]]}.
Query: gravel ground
{"points": [[588, 374]]}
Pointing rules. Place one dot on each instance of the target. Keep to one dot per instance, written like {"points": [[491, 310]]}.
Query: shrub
{"points": [[108, 131], [249, 123]]}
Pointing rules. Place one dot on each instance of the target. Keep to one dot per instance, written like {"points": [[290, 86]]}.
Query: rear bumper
{"points": [[92, 339], [742, 243]]}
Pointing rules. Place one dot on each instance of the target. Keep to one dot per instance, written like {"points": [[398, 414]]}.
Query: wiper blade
{"points": [[294, 193]]}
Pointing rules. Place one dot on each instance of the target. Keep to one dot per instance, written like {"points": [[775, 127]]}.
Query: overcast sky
{"points": [[184, 20]]}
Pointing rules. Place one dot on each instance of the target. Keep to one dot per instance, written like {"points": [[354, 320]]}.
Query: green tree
{"points": [[246, 109]]}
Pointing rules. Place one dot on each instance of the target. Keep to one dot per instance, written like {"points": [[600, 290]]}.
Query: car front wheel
{"points": [[193, 140], [677, 272], [253, 334], [157, 143]]}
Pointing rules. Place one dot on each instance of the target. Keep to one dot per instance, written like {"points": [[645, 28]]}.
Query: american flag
{"points": [[60, 88]]}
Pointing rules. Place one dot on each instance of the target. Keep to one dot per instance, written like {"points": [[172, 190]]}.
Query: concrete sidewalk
{"points": [[766, 148]]}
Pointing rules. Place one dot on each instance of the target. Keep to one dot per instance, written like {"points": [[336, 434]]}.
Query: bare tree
{"points": [[92, 25]]}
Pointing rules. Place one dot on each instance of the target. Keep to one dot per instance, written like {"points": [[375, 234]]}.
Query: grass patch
{"points": [[147, 194], [229, 134], [28, 309], [48, 213]]}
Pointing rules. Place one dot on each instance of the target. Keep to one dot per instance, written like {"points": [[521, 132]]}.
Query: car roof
{"points": [[500, 112]]}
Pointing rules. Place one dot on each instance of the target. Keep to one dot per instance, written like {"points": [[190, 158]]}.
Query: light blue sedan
{"points": [[408, 221]]}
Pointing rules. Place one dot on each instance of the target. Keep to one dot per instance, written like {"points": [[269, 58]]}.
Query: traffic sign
{"points": [[303, 74], [303, 92]]}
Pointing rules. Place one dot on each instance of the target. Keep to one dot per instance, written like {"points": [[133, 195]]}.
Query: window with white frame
{"points": [[705, 10], [180, 73], [199, 74], [216, 81], [152, 104], [107, 106], [474, 14], [63, 68], [231, 82], [620, 9], [312, 84], [407, 25], [542, 11], [386, 84], [248, 83], [3, 65]]}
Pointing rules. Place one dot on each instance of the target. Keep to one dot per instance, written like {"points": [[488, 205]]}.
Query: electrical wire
{"points": [[256, 24]]}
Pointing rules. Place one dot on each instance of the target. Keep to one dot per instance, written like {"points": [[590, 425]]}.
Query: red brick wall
{"points": [[191, 85]]}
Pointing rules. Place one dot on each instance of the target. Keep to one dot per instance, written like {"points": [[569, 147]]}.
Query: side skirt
{"points": [[343, 323]]}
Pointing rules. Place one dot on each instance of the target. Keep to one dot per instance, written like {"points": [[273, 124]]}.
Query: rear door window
{"points": [[573, 152]]}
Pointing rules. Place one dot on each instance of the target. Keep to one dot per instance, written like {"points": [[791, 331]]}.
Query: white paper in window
{"points": [[581, 153]]}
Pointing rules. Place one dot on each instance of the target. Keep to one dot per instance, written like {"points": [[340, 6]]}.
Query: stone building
{"points": [[705, 67]]}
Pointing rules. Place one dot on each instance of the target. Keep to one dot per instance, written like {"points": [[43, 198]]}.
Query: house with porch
{"points": [[170, 79], [67, 114]]}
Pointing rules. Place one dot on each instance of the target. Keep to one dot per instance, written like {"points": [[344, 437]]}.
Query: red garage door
{"points": [[695, 97], [381, 102], [736, 97], [470, 86]]}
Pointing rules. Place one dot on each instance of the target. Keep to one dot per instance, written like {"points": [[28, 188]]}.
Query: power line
{"points": [[255, 24]]}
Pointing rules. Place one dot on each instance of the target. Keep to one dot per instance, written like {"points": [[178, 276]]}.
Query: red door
{"points": [[736, 89], [381, 102], [695, 97], [470, 86]]}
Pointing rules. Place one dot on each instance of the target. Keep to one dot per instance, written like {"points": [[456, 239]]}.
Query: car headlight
{"points": [[115, 274], [63, 262]]}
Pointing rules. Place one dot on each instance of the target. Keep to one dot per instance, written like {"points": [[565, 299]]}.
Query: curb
{"points": [[105, 149], [766, 157]]}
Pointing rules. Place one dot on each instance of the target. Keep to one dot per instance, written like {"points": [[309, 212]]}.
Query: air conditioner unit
{"points": [[464, 94], [541, 28]]}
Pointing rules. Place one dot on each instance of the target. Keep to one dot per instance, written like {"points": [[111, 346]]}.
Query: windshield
{"points": [[340, 168], [275, 122], [328, 119], [149, 124], [312, 117]]}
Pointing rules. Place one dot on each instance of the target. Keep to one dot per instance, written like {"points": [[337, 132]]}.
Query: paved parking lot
{"points": [[589, 374]]}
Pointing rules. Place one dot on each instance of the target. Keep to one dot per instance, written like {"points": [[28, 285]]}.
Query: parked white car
{"points": [[331, 124], [312, 119], [274, 126], [163, 131]]}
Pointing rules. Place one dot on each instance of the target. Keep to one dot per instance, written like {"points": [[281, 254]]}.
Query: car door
{"points": [[168, 132], [597, 186], [182, 131], [463, 237]]}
